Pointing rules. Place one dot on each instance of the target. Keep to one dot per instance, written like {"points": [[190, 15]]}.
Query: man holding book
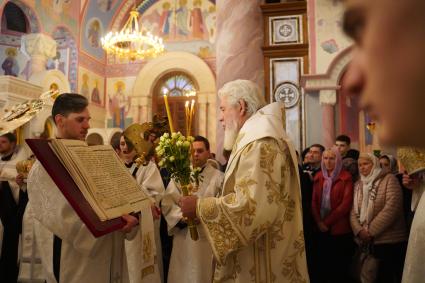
{"points": [[69, 252]]}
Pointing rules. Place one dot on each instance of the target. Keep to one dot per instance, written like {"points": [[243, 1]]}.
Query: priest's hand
{"points": [[188, 206], [130, 222]]}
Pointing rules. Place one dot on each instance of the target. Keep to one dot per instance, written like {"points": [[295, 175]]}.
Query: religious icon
{"points": [[196, 20], [95, 94], [104, 5], [85, 86], [119, 105], [210, 21], [54, 88], [10, 64], [94, 33], [182, 14], [164, 21]]}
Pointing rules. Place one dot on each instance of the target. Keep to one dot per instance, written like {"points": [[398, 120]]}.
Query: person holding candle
{"points": [[254, 226]]}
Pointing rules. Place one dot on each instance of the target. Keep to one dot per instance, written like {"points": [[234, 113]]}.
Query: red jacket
{"points": [[338, 220]]}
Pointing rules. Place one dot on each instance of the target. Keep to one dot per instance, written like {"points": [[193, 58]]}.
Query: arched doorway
{"points": [[179, 88], [144, 90]]}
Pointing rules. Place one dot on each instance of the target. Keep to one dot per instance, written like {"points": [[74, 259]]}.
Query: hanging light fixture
{"points": [[131, 42]]}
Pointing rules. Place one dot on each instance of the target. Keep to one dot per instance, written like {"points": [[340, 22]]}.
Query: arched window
{"points": [[176, 85], [14, 19]]}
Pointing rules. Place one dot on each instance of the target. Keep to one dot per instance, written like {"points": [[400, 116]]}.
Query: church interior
{"points": [[158, 62], [294, 50]]}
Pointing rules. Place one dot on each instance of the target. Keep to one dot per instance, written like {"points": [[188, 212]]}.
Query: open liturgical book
{"points": [[95, 183], [101, 177]]}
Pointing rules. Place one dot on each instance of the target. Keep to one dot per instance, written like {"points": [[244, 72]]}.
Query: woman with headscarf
{"points": [[389, 163], [331, 205], [377, 217]]}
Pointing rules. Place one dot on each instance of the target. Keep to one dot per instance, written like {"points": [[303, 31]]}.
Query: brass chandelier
{"points": [[131, 42]]}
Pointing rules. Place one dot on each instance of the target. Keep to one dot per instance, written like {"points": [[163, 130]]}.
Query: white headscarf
{"points": [[367, 182]]}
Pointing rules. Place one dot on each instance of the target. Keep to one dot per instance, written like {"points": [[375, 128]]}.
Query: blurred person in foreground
{"points": [[388, 70]]}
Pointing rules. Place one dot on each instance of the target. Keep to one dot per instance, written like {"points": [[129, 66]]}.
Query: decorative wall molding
{"points": [[327, 96], [329, 80]]}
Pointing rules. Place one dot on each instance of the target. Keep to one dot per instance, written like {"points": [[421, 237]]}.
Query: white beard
{"points": [[230, 135]]}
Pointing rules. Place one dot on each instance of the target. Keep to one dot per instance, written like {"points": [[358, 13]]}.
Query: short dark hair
{"points": [[304, 152], [115, 141], [204, 140], [67, 103], [321, 147], [130, 145], [10, 137], [344, 138]]}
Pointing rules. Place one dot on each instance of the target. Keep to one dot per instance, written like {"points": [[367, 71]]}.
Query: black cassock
{"points": [[11, 214]]}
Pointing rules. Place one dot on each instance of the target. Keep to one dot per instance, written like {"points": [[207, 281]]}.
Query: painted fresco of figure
{"points": [[196, 20], [182, 18], [94, 34], [85, 86], [55, 63], [10, 64], [119, 105], [104, 5], [165, 19], [210, 23], [95, 94]]}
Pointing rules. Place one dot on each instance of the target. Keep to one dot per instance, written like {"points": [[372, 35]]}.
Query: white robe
{"points": [[191, 261], [255, 225], [414, 268], [149, 178], [8, 171], [84, 258], [30, 268]]}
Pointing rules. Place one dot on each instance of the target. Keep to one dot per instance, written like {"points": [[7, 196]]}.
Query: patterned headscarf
{"points": [[329, 179]]}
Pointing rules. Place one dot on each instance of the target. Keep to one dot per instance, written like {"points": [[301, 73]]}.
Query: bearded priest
{"points": [[254, 227]]}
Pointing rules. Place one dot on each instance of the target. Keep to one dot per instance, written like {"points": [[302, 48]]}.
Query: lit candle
{"points": [[192, 110], [186, 108], [170, 119]]}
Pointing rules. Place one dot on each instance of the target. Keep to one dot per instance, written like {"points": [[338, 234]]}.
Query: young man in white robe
{"points": [[255, 225], [69, 252], [191, 261], [388, 71], [13, 201], [148, 177]]}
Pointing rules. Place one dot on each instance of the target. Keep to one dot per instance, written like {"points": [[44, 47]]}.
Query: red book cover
{"points": [[70, 190]]}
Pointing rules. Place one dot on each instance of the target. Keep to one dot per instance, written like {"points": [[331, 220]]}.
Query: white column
{"points": [[39, 47], [327, 100]]}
